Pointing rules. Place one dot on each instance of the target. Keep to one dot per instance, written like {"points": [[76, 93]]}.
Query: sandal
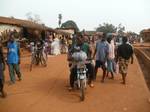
{"points": [[91, 85]]}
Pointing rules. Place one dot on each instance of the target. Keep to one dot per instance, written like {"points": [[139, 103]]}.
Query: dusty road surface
{"points": [[46, 90]]}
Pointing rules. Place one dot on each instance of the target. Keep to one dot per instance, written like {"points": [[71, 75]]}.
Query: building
{"points": [[145, 35], [24, 27], [67, 31], [93, 35]]}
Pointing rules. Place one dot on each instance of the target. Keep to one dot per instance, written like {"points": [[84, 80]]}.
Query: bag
{"points": [[79, 56]]}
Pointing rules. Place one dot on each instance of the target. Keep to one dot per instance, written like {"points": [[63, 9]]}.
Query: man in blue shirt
{"points": [[13, 58], [101, 53]]}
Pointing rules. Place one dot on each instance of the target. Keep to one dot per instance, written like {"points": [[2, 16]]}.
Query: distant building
{"points": [[146, 35], [66, 31], [93, 35], [25, 27]]}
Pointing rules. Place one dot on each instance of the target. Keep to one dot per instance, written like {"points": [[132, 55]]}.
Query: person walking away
{"points": [[13, 59], [97, 55], [124, 53], [2, 68], [111, 56], [101, 52]]}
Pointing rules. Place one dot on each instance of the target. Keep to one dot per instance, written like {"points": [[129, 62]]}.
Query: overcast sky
{"points": [[88, 14]]}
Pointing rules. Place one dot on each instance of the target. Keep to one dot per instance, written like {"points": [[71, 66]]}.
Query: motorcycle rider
{"points": [[84, 46]]}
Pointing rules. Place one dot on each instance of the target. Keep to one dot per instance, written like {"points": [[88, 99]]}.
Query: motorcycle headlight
{"points": [[84, 71]]}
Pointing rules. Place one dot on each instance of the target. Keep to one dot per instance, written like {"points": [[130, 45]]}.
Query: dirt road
{"points": [[45, 90]]}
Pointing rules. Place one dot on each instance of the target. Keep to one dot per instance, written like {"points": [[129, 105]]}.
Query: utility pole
{"points": [[59, 19]]}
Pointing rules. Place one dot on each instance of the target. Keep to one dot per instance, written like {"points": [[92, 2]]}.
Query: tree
{"points": [[33, 17], [133, 34], [106, 28], [59, 20], [29, 16], [12, 17], [37, 18], [121, 29], [70, 24]]}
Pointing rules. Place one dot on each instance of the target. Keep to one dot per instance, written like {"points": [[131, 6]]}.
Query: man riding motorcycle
{"points": [[84, 46]]}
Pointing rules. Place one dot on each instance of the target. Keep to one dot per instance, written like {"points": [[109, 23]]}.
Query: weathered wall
{"points": [[144, 62], [143, 57], [146, 36], [4, 27], [67, 31]]}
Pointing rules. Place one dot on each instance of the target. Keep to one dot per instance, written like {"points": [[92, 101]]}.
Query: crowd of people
{"points": [[106, 54], [56, 45], [53, 46], [111, 58], [59, 45]]}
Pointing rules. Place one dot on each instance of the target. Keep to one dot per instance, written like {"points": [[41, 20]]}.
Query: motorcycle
{"points": [[81, 79]]}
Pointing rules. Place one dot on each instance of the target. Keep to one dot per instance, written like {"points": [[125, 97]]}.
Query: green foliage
{"points": [[133, 34], [121, 29], [106, 28], [35, 18], [70, 24]]}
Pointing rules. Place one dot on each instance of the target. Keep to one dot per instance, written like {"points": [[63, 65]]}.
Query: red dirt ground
{"points": [[45, 90]]}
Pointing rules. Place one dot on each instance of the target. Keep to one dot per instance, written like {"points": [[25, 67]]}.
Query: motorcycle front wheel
{"points": [[82, 90]]}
